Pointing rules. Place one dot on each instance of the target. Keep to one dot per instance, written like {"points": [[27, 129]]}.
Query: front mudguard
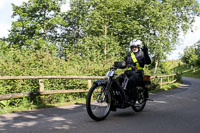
{"points": [[101, 82]]}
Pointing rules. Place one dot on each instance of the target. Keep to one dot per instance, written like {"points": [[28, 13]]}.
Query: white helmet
{"points": [[136, 42]]}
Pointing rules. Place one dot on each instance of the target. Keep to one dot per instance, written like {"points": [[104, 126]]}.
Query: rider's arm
{"points": [[125, 62], [147, 59], [146, 55]]}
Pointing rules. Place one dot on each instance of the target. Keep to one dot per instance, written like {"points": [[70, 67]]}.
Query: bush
{"points": [[26, 63]]}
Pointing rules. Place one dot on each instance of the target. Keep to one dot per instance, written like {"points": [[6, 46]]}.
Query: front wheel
{"points": [[141, 101], [98, 102]]}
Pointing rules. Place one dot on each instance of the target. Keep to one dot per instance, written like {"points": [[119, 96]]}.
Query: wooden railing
{"points": [[42, 87], [168, 79]]}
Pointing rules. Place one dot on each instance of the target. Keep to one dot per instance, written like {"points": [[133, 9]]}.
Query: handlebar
{"points": [[127, 66], [113, 68]]}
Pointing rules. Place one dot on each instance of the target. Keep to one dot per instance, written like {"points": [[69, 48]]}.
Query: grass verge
{"points": [[192, 73], [165, 87]]}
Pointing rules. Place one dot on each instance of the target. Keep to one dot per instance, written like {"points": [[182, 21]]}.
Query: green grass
{"points": [[165, 87], [192, 73], [188, 72]]}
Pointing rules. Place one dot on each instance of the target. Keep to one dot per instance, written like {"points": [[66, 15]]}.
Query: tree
{"points": [[163, 21], [37, 25], [73, 31], [197, 52], [102, 28], [156, 23], [3, 47], [189, 56]]}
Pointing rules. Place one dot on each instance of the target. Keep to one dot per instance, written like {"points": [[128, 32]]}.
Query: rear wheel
{"points": [[98, 102], [141, 101]]}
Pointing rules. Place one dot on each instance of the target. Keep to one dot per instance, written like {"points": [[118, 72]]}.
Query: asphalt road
{"points": [[174, 111]]}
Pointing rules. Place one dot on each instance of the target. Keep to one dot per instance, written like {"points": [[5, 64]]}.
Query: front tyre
{"points": [[141, 100], [98, 102]]}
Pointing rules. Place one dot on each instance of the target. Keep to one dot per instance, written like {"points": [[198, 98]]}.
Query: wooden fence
{"points": [[42, 87], [168, 79]]}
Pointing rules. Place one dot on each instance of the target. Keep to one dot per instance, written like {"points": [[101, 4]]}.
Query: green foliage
{"points": [[190, 71], [156, 23], [185, 69], [37, 25], [192, 55], [85, 40], [108, 24], [98, 48], [26, 63], [165, 88]]}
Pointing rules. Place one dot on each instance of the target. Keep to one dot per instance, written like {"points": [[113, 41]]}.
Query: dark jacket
{"points": [[142, 58]]}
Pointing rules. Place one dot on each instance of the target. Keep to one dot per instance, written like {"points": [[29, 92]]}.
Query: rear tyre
{"points": [[140, 101], [98, 102]]}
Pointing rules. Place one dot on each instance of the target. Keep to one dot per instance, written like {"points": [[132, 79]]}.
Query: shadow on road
{"points": [[124, 114], [74, 119], [48, 119]]}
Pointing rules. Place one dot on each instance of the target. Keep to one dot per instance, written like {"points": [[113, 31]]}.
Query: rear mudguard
{"points": [[100, 82]]}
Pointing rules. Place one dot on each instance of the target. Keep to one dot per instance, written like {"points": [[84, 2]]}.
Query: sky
{"points": [[5, 24]]}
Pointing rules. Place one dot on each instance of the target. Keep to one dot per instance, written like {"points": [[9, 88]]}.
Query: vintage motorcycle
{"points": [[106, 95]]}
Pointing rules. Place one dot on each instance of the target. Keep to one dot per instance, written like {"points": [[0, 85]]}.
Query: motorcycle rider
{"points": [[135, 62]]}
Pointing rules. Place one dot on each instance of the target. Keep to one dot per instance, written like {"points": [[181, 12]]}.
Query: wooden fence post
{"points": [[41, 83], [89, 84], [160, 82], [168, 79]]}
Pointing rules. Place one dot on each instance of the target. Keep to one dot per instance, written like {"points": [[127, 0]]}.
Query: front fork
{"points": [[105, 89]]}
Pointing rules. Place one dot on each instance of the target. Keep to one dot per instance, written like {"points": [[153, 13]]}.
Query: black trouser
{"points": [[134, 81], [134, 78]]}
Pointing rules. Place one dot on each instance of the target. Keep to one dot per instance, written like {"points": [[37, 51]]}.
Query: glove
{"points": [[145, 49]]}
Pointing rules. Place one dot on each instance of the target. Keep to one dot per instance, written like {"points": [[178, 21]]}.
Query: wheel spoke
{"points": [[140, 102], [98, 103]]}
